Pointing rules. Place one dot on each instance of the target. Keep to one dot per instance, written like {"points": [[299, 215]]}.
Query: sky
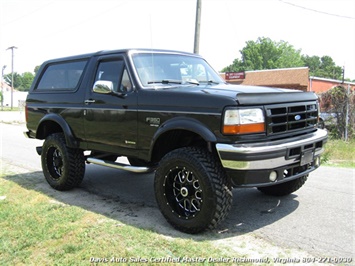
{"points": [[47, 29]]}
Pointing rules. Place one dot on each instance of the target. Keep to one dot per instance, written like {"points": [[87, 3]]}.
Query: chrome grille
{"points": [[291, 117]]}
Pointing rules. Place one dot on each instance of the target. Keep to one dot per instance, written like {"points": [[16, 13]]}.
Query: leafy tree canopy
{"points": [[22, 82], [323, 67], [267, 54], [36, 69], [339, 100]]}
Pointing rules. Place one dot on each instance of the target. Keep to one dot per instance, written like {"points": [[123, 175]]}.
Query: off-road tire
{"points": [[284, 188], [63, 167], [192, 190]]}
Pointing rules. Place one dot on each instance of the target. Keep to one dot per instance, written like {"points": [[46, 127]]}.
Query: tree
{"points": [[22, 82], [36, 69], [266, 54], [17, 80], [27, 79], [323, 67], [336, 101]]}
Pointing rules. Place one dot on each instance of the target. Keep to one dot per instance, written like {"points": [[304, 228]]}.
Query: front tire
{"points": [[63, 167], [192, 190], [284, 188]]}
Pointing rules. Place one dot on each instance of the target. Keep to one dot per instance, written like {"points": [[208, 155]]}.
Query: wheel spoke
{"points": [[186, 190], [192, 189], [57, 162], [187, 205], [181, 176], [195, 204]]}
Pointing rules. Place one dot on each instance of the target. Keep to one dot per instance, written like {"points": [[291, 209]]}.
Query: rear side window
{"points": [[62, 76]]}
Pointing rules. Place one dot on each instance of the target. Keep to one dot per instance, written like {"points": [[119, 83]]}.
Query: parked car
{"points": [[327, 119]]}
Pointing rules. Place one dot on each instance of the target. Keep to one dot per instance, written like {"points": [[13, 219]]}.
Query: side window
{"points": [[62, 76], [126, 84], [115, 72]]}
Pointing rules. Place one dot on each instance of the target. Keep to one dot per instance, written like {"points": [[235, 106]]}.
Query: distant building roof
{"points": [[320, 85], [332, 80], [293, 78], [4, 86]]}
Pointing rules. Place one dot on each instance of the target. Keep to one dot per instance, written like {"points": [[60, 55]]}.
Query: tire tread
{"points": [[75, 159], [218, 180]]}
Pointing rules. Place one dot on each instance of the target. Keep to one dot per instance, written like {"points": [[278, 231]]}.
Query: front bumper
{"points": [[256, 164]]}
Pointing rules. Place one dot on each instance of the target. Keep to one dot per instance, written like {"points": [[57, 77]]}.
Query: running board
{"points": [[126, 167], [39, 150]]}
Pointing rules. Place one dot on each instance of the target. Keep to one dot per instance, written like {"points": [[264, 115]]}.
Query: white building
{"points": [[18, 97]]}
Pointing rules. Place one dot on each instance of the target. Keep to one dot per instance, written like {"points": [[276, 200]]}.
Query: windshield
{"points": [[162, 68]]}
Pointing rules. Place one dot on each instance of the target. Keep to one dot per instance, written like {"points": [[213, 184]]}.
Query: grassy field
{"points": [[37, 230], [339, 153], [6, 108]]}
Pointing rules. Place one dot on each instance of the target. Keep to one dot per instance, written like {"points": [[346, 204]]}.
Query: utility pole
{"points": [[347, 108], [12, 73], [197, 27], [2, 87], [347, 113]]}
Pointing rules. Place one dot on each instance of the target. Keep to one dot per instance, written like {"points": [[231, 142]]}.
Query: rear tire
{"points": [[284, 188], [63, 167], [192, 190]]}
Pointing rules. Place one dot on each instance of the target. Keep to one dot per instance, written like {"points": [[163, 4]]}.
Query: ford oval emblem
{"points": [[297, 117]]}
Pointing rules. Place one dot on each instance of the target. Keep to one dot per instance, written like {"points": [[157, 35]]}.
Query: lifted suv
{"points": [[171, 113]]}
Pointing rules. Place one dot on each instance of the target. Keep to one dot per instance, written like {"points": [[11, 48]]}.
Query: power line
{"points": [[29, 13], [83, 21], [317, 11]]}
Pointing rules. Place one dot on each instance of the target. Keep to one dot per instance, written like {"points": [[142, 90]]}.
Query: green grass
{"points": [[38, 230], [339, 153], [7, 108]]}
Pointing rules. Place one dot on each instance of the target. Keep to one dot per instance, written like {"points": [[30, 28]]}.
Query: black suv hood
{"points": [[233, 90], [250, 95]]}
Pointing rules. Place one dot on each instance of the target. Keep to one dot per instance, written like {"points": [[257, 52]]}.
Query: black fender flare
{"points": [[69, 136], [183, 123]]}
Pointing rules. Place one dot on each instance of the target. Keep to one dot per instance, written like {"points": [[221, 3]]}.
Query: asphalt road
{"points": [[317, 219]]}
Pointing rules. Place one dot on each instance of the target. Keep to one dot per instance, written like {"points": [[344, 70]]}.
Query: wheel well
{"points": [[175, 139], [48, 127]]}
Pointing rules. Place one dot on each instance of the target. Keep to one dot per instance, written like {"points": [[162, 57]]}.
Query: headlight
{"points": [[243, 121]]}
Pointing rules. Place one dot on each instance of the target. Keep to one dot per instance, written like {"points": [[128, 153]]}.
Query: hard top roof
{"points": [[121, 51]]}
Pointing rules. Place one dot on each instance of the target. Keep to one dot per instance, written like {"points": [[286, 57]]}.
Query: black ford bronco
{"points": [[171, 113]]}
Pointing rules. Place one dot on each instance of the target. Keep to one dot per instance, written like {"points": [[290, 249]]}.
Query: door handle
{"points": [[89, 101]]}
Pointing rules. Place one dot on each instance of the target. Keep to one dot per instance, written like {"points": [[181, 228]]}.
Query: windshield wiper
{"points": [[210, 82], [192, 81], [165, 81]]}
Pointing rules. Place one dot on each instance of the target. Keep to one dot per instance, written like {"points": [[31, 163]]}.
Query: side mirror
{"points": [[103, 87]]}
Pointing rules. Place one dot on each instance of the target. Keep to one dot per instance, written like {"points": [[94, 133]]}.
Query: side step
{"points": [[126, 167]]}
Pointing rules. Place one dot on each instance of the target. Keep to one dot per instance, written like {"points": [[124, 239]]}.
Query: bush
{"points": [[338, 101]]}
